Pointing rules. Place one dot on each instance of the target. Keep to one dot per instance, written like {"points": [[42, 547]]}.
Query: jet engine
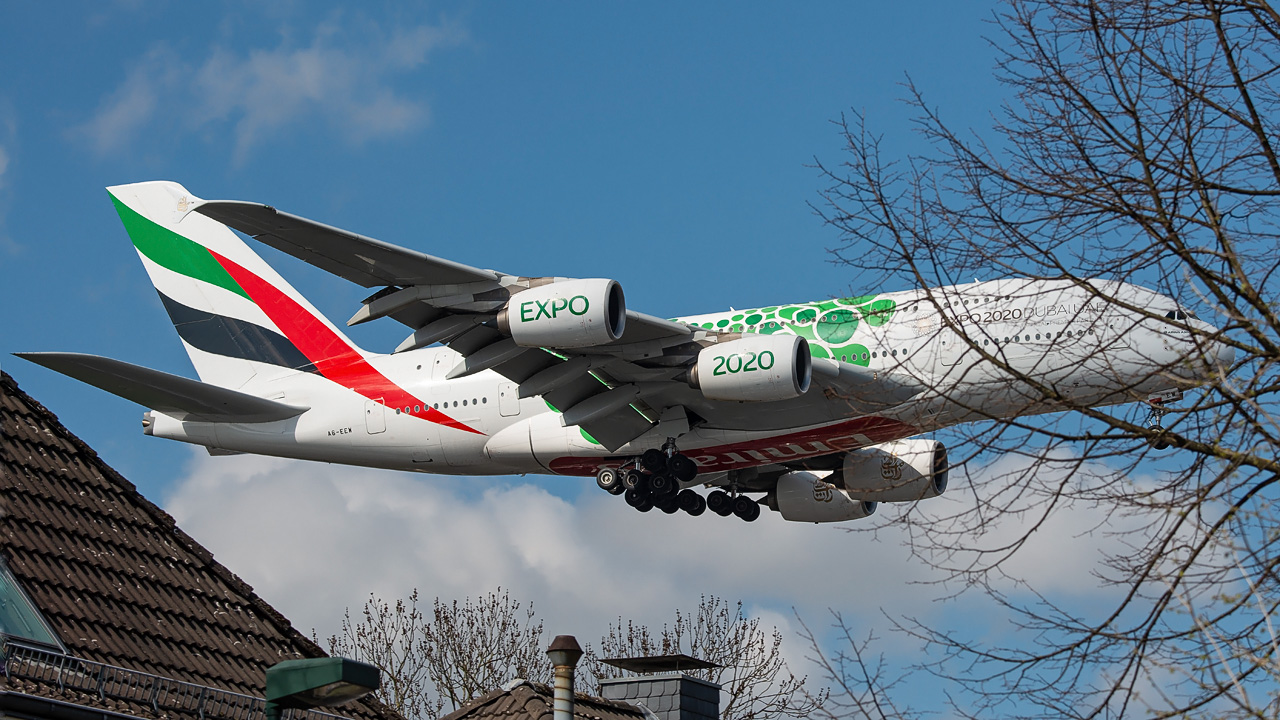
{"points": [[567, 314], [898, 471], [757, 367], [803, 496]]}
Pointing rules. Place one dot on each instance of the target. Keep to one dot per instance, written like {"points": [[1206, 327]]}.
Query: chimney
{"points": [[664, 688], [564, 653]]}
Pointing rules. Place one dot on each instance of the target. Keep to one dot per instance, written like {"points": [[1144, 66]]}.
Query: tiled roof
{"points": [[119, 582], [533, 701]]}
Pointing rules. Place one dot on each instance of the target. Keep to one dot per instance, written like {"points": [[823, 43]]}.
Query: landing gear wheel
{"points": [[608, 480], [645, 506], [691, 502], [633, 479], [1158, 410], [719, 502], [682, 468], [654, 461], [635, 497], [1159, 442], [662, 485], [746, 508], [698, 509], [669, 506]]}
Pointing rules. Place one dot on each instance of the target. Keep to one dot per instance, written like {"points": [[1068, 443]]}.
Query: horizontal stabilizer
{"points": [[180, 397]]}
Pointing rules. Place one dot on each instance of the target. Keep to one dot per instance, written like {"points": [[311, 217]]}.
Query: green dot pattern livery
{"points": [[830, 326]]}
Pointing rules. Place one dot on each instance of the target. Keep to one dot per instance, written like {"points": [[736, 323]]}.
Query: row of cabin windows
{"points": [[1016, 338], [436, 406], [1038, 336], [872, 355]]}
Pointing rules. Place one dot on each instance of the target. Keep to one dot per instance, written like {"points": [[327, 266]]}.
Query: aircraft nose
{"points": [[1226, 355]]}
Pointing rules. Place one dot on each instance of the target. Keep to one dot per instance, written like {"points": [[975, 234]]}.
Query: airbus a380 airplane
{"points": [[809, 409]]}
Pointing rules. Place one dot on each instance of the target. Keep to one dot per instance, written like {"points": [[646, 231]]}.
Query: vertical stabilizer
{"points": [[238, 319]]}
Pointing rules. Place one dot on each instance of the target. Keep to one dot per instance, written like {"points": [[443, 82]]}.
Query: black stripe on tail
{"points": [[229, 337]]}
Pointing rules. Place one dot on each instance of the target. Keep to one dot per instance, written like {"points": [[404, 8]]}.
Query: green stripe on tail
{"points": [[173, 251]]}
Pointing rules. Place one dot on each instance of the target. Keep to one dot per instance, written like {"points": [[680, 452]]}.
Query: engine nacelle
{"points": [[568, 314], [758, 368], [898, 471], [803, 496]]}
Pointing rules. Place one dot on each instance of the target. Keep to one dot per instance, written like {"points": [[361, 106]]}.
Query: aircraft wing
{"points": [[368, 262], [615, 391], [174, 395], [362, 260]]}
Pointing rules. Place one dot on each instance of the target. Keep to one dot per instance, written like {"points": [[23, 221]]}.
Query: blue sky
{"points": [[668, 146]]}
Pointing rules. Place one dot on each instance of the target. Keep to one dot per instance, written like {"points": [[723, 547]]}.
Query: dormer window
{"points": [[19, 618]]}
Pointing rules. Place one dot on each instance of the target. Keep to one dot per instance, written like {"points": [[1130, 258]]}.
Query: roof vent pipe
{"points": [[564, 653]]}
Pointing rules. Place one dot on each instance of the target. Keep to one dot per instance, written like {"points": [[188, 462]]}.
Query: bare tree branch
{"points": [[754, 678], [1137, 146]]}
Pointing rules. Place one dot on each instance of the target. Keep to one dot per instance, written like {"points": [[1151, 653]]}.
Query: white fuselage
{"points": [[962, 345]]}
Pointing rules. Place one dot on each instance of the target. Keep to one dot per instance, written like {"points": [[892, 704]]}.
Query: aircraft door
{"points": [[508, 399], [375, 419]]}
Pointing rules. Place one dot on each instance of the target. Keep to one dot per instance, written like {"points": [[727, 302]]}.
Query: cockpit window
{"points": [[1179, 314]]}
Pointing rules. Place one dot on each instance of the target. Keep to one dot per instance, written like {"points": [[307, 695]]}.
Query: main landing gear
{"points": [[653, 480]]}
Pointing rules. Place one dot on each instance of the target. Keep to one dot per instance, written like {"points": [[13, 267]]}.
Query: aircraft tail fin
{"points": [[237, 318]]}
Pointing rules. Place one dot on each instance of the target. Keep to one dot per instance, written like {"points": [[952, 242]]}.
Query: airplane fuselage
{"points": [[961, 346]]}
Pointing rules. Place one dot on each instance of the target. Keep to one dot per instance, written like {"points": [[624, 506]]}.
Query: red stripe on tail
{"points": [[329, 352]]}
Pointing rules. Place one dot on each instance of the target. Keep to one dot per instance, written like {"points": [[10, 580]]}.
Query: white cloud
{"points": [[8, 136], [344, 77], [128, 110], [315, 539]]}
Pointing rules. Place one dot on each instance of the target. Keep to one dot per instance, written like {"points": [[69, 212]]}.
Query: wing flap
{"points": [[617, 429], [357, 258], [174, 395]]}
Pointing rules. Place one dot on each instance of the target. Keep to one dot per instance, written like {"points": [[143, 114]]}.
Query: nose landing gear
{"points": [[1159, 407]]}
